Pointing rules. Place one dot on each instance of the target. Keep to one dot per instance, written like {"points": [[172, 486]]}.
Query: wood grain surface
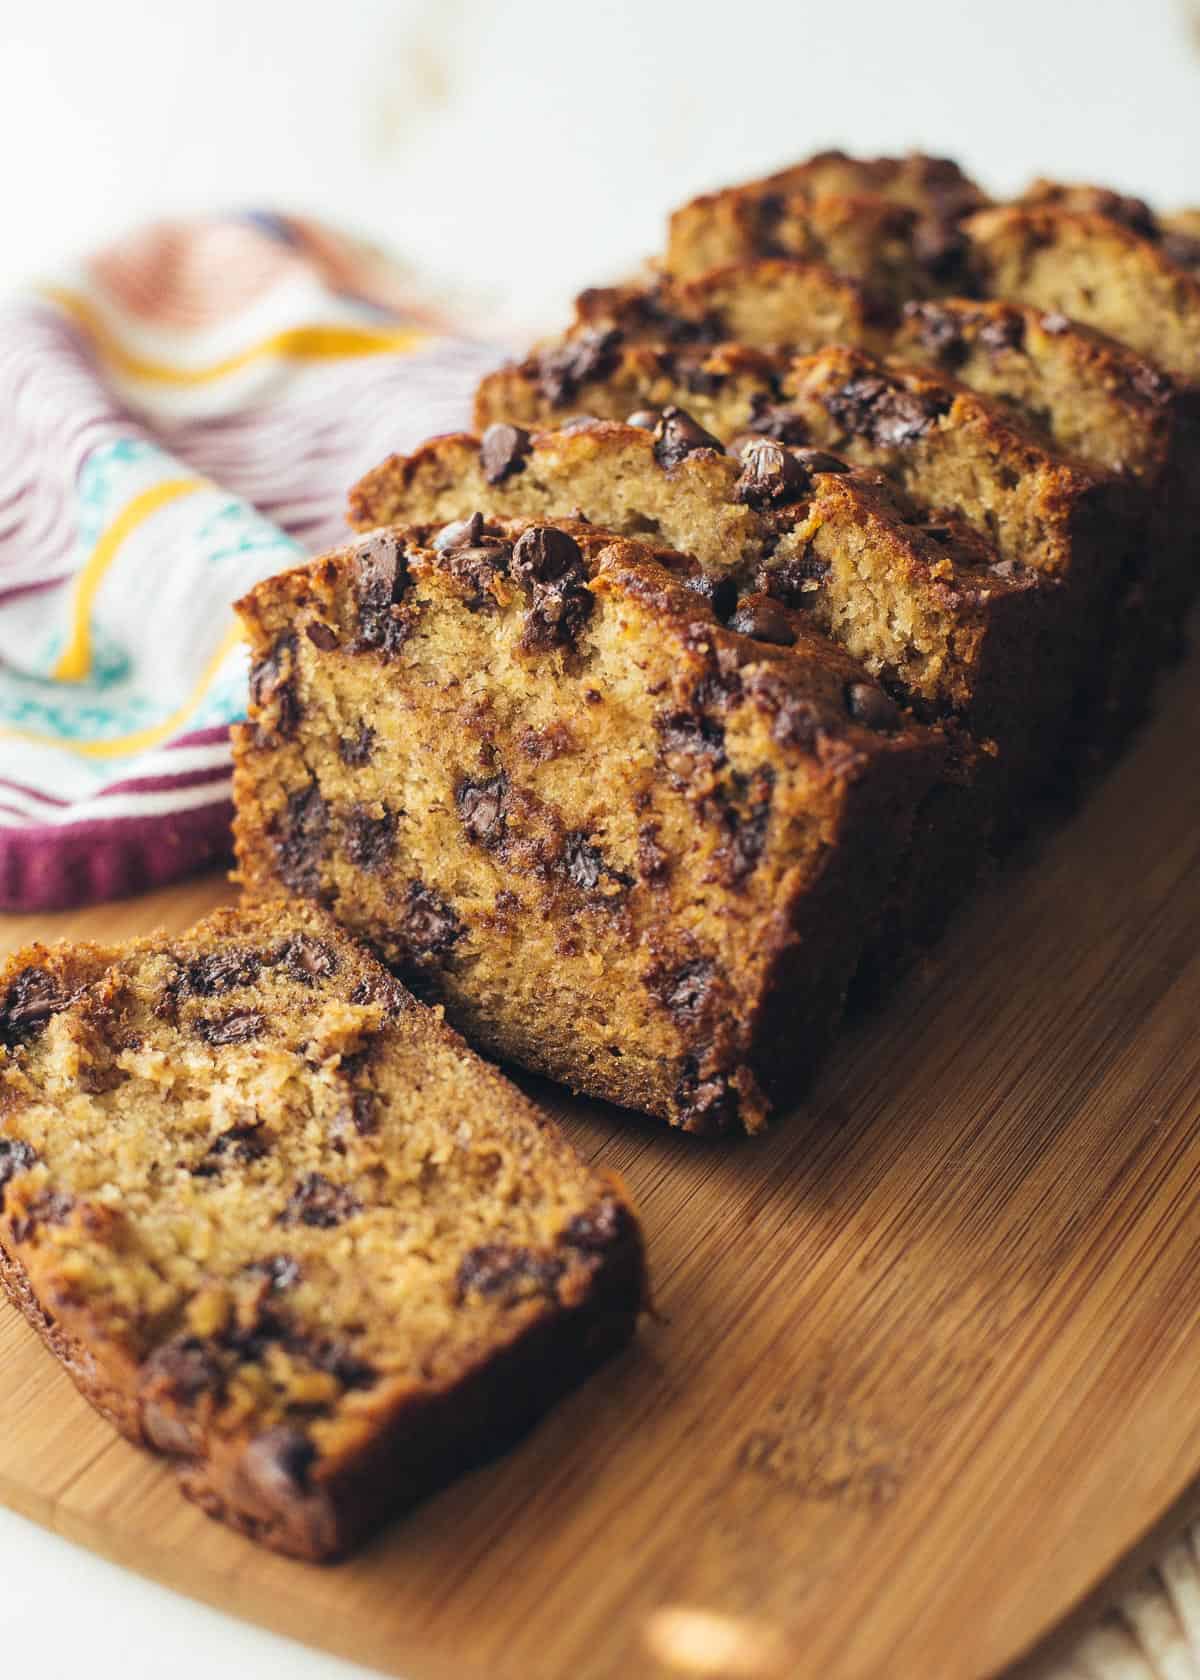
{"points": [[926, 1359]]}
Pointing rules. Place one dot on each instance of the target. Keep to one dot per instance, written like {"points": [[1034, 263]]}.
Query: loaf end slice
{"points": [[282, 1226]]}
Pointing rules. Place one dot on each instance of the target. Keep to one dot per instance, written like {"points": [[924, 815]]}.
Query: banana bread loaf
{"points": [[625, 845], [282, 1226]]}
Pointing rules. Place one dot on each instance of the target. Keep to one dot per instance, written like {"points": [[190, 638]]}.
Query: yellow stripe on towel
{"points": [[141, 739], [308, 343], [75, 660]]}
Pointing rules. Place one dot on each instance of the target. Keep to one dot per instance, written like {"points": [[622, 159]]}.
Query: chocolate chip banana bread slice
{"points": [[283, 1227], [1094, 269], [765, 303], [949, 447], [864, 236], [1099, 401], [625, 845], [724, 387], [926, 604]]}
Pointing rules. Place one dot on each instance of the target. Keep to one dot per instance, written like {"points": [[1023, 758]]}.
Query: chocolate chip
{"points": [[16, 1156], [319, 1203], [364, 1112], [582, 863], [687, 992], [706, 1106], [543, 554], [549, 563], [51, 1207], [300, 838], [306, 958], [369, 839], [593, 354], [502, 451], [279, 1462], [771, 475], [887, 414], [742, 809], [764, 620], [460, 533], [478, 568], [677, 436], [794, 579], [939, 246], [654, 862], [238, 1027], [217, 972], [871, 707], [600, 1228], [939, 332], [498, 1269], [322, 636], [356, 750], [690, 738], [1003, 332], [820, 461], [720, 593], [382, 578], [239, 1143], [428, 925], [776, 420], [272, 691], [481, 808], [183, 1371], [31, 999], [645, 419]]}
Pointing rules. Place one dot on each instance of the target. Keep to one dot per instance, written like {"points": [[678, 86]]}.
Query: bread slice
{"points": [[1096, 270], [625, 845], [949, 447], [867, 238], [926, 606], [283, 1227], [1097, 400]]}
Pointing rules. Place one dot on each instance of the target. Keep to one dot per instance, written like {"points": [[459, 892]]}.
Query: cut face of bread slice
{"points": [[926, 605], [626, 846], [1099, 401], [764, 303], [1095, 270], [724, 387], [893, 250], [282, 1226]]}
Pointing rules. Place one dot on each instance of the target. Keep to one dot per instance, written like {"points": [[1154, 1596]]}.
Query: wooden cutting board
{"points": [[926, 1360]]}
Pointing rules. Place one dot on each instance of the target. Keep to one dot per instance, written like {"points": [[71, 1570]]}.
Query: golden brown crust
{"points": [[157, 1101]]}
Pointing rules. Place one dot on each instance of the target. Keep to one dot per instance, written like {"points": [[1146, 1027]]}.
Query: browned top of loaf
{"points": [[1177, 233], [948, 446], [922, 182], [1091, 395], [762, 302], [1096, 270], [894, 250]]}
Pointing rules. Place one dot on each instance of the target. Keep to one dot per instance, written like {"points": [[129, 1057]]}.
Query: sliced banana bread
{"points": [[926, 604], [1096, 270], [950, 447], [282, 1226], [625, 845]]}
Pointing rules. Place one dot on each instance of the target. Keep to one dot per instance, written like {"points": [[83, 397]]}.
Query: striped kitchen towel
{"points": [[183, 414]]}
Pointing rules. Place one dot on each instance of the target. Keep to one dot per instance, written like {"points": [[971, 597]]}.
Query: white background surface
{"points": [[519, 150]]}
